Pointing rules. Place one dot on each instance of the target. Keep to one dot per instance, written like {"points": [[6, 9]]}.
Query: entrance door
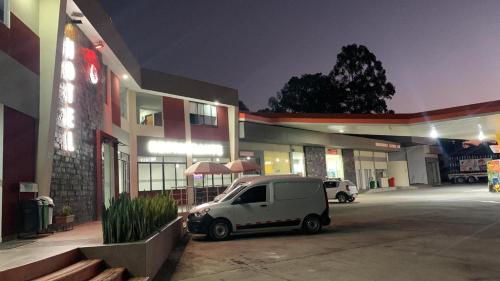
{"points": [[432, 167], [108, 172], [367, 176]]}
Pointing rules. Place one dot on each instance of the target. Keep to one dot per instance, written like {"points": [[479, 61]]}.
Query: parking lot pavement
{"points": [[444, 233]]}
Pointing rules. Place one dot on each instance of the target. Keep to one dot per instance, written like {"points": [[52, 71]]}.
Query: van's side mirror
{"points": [[236, 201]]}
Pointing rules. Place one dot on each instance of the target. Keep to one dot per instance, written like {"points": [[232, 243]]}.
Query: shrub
{"points": [[129, 220]]}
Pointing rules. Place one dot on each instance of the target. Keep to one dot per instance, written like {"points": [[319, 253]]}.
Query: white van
{"points": [[265, 203]]}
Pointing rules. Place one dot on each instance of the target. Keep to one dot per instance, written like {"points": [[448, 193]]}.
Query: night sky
{"points": [[437, 53]]}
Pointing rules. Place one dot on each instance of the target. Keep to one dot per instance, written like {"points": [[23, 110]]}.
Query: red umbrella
{"points": [[206, 168], [239, 166]]}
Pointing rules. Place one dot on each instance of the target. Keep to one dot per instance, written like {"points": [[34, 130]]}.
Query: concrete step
{"points": [[111, 274], [80, 271]]}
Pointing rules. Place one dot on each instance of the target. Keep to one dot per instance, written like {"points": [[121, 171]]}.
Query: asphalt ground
{"points": [[434, 233]]}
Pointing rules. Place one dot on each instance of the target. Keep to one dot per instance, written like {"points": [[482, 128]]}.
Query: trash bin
{"points": [[50, 208], [392, 182], [43, 215], [31, 216], [372, 184]]}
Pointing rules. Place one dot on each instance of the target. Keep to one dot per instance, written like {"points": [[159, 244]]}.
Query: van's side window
{"points": [[254, 195]]}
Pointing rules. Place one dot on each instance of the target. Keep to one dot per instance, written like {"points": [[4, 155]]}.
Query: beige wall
{"points": [[28, 12], [399, 171]]}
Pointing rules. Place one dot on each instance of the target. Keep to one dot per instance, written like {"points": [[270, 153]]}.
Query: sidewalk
{"points": [[19, 252]]}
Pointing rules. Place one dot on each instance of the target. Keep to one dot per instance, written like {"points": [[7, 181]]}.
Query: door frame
{"points": [[102, 137]]}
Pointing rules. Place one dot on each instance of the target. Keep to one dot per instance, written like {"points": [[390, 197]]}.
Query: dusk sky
{"points": [[437, 53]]}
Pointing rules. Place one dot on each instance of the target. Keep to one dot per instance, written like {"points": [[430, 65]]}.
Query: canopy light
{"points": [[182, 148], [434, 133], [125, 76], [99, 45], [481, 136]]}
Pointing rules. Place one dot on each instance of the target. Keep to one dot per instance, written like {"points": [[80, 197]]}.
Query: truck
{"points": [[469, 164]]}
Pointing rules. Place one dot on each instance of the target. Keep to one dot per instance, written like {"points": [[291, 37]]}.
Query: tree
{"points": [[357, 84], [362, 81], [308, 93], [242, 106]]}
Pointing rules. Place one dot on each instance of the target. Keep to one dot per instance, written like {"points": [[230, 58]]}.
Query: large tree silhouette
{"points": [[357, 84], [361, 79]]}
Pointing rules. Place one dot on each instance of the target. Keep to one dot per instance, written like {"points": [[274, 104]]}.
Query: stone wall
{"points": [[74, 173], [315, 161], [349, 166]]}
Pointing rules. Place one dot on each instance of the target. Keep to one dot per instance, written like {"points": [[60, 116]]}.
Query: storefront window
{"points": [[159, 173], [212, 180], [334, 163], [202, 114], [149, 110], [276, 162], [298, 167]]}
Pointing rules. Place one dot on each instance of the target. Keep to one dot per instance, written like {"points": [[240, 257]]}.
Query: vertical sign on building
{"points": [[68, 74]]}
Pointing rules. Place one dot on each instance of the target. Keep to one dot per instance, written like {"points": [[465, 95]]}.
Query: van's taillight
{"points": [[347, 187]]}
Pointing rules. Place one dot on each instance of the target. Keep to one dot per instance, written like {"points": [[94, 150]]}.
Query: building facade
{"points": [[84, 121]]}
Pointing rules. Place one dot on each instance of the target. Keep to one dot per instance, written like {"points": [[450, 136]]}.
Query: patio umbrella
{"points": [[207, 168], [239, 166]]}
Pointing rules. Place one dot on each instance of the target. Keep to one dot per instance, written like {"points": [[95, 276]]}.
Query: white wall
{"points": [[415, 156], [399, 171]]}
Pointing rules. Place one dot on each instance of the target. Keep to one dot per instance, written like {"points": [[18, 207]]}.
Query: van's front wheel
{"points": [[311, 224], [219, 230]]}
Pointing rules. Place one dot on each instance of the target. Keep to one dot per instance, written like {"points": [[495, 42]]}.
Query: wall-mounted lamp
{"points": [[98, 45], [125, 76]]}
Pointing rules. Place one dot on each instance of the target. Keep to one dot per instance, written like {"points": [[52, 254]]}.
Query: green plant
{"points": [[128, 220], [66, 211]]}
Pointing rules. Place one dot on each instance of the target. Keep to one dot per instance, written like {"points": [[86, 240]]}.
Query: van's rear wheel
{"points": [[219, 230], [311, 224]]}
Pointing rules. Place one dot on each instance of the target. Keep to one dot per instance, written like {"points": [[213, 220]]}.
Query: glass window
{"points": [[334, 165], [202, 114], [123, 102], [180, 177], [124, 172], [276, 162], [156, 176], [149, 110], [331, 184], [4, 11], [298, 167], [169, 175], [254, 195], [144, 172]]}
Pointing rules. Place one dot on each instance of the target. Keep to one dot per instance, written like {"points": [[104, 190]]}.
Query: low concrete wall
{"points": [[142, 258]]}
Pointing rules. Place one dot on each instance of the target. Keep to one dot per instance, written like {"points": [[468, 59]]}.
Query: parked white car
{"points": [[342, 190], [264, 203]]}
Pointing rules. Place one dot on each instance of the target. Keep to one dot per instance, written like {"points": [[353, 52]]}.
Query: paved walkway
{"points": [[32, 250]]}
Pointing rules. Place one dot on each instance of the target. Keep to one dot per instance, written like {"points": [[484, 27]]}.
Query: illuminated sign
{"points": [[93, 74], [181, 148], [67, 89]]}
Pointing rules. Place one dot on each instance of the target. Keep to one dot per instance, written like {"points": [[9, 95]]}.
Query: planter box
{"points": [[141, 258], [64, 219]]}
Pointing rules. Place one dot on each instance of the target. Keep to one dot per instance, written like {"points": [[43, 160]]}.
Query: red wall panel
{"points": [[214, 133], [115, 100], [20, 43], [19, 149], [173, 118]]}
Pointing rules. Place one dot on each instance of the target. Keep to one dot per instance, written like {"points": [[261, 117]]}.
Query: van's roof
{"points": [[262, 179]]}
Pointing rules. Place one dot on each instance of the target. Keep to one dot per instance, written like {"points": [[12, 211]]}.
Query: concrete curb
{"points": [[389, 189]]}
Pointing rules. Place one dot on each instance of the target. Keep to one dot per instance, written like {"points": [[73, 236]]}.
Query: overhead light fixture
{"points": [[216, 103], [98, 45], [77, 15], [125, 76], [481, 135], [341, 131], [434, 133]]}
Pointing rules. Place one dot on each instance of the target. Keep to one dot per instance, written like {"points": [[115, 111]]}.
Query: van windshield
{"points": [[233, 192]]}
